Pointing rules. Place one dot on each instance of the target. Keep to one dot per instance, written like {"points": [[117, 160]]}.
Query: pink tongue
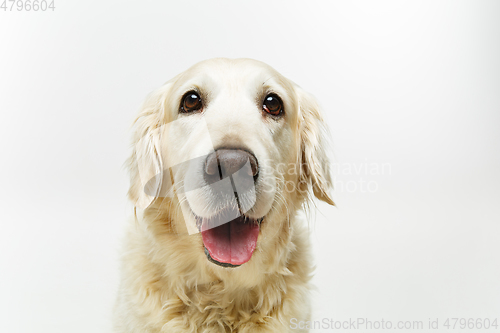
{"points": [[232, 242]]}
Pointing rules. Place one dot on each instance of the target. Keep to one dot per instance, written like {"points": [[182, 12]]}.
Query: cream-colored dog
{"points": [[226, 155]]}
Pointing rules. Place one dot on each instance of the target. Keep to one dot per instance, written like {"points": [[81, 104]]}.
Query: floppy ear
{"points": [[146, 163], [315, 166]]}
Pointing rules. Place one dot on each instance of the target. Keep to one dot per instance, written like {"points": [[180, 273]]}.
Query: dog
{"points": [[226, 157]]}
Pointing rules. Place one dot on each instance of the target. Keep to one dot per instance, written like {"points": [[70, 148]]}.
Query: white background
{"points": [[412, 84]]}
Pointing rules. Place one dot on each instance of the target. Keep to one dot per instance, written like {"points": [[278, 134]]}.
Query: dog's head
{"points": [[231, 149]]}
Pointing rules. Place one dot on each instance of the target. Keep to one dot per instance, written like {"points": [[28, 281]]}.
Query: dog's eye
{"points": [[191, 102], [273, 105]]}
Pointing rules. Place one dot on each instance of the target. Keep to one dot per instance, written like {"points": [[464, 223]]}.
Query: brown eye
{"points": [[273, 105], [191, 102]]}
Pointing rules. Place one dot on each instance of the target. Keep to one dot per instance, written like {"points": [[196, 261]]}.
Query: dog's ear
{"points": [[313, 135], [146, 163]]}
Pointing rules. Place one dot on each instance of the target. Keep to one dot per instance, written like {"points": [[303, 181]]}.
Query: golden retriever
{"points": [[226, 155]]}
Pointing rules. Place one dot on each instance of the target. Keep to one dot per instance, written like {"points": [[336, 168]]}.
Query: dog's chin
{"points": [[229, 237]]}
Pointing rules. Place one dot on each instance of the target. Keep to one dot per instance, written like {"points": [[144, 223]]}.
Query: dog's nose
{"points": [[223, 163]]}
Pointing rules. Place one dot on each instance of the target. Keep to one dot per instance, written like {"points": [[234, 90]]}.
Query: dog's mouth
{"points": [[229, 240]]}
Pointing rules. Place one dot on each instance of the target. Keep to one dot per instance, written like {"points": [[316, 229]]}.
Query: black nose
{"points": [[223, 163]]}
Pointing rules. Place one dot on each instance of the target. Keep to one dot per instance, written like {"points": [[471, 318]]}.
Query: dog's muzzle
{"points": [[230, 237]]}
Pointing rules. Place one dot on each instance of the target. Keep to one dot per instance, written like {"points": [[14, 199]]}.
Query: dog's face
{"points": [[238, 147]]}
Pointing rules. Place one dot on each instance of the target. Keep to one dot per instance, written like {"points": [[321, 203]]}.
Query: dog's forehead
{"points": [[233, 69], [235, 74]]}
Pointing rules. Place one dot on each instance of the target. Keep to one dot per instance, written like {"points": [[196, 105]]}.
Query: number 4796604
{"points": [[27, 5], [470, 323]]}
